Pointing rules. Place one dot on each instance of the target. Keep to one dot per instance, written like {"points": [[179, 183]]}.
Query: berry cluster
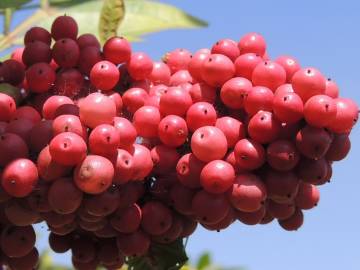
{"points": [[116, 152]]}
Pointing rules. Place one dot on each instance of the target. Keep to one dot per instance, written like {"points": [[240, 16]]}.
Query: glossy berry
{"points": [[308, 82], [134, 98], [227, 47], [195, 64], [217, 176], [160, 73], [117, 50], [126, 130], [347, 113], [64, 27], [175, 101], [188, 170], [177, 59], [7, 107], [282, 155], [104, 75], [331, 88], [290, 64], [139, 66], [308, 196], [200, 114], [37, 34], [233, 129], [202, 92], [320, 110], [36, 52], [217, 69], [173, 131], [339, 147], [245, 65], [40, 77], [146, 121], [208, 143], [269, 74], [294, 222], [87, 40], [234, 92], [264, 127], [66, 53], [288, 107], [249, 154], [104, 140], [156, 218], [52, 104], [259, 98], [252, 43]]}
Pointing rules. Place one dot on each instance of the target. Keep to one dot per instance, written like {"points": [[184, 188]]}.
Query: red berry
{"points": [[16, 71], [312, 171], [173, 131], [290, 65], [94, 174], [245, 65], [160, 74], [234, 92], [16, 241], [233, 129], [142, 162], [134, 99], [264, 127], [307, 197], [52, 104], [66, 53], [41, 135], [104, 75], [320, 110], [282, 155], [156, 218], [202, 92], [164, 158], [308, 82], [209, 143], [251, 218], [36, 52], [140, 66], [188, 170], [177, 59], [12, 147], [127, 132], [248, 193], [134, 244], [127, 220], [87, 40], [175, 101], [196, 62], [249, 154], [339, 147], [200, 114], [227, 47], [7, 107], [281, 186], [123, 167], [180, 77], [104, 140], [68, 148], [269, 74], [69, 123], [64, 27], [70, 82], [117, 50], [294, 222], [288, 107], [217, 176], [252, 43], [331, 89], [280, 210], [21, 127], [88, 57], [146, 121], [40, 77], [217, 69], [27, 112], [37, 34], [259, 98], [347, 113]]}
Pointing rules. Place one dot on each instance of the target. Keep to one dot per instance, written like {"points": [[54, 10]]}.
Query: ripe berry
{"points": [[160, 73], [117, 50], [233, 129], [29, 261], [127, 132], [280, 210], [313, 142], [331, 89], [347, 113], [87, 40], [37, 34], [16, 71], [339, 147], [217, 176], [294, 222], [264, 127], [312, 171], [146, 121], [210, 208], [248, 193], [36, 52], [103, 204], [16, 241], [27, 112], [139, 66], [234, 92], [195, 64], [134, 244], [259, 98], [209, 143], [97, 109], [308, 82], [51, 105], [69, 123], [173, 131], [177, 59], [200, 114], [123, 166], [104, 140], [249, 154], [7, 107], [21, 127], [307, 197], [180, 77], [40, 77], [288, 107], [164, 158], [66, 53], [245, 65], [104, 75], [281, 186], [134, 99], [284, 89], [251, 218], [68, 148], [94, 174], [175, 101], [227, 47], [202, 92], [320, 110], [70, 82], [41, 135], [269, 74], [19, 177], [88, 57], [217, 69], [181, 198], [282, 155], [142, 162], [188, 170], [252, 43], [12, 147], [156, 218], [64, 27], [290, 65], [64, 197]]}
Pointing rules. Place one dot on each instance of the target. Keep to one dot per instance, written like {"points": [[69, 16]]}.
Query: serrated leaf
{"points": [[143, 17], [12, 3], [112, 13], [204, 261]]}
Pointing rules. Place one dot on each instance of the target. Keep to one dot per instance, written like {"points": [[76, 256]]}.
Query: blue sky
{"points": [[323, 34]]}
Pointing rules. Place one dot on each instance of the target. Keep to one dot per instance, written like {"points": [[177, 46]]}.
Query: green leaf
{"points": [[112, 13], [160, 257], [204, 261], [143, 17], [12, 3]]}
